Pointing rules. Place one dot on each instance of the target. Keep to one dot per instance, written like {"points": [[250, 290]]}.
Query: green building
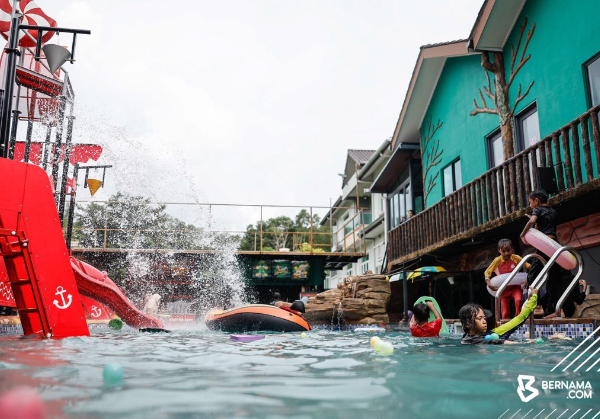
{"points": [[530, 68]]}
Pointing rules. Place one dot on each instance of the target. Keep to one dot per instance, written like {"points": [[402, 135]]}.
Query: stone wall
{"points": [[357, 300]]}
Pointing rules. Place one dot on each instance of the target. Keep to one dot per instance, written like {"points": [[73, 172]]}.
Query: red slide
{"points": [[97, 285]]}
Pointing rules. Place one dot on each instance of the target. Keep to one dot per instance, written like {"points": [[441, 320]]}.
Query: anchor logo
{"points": [[60, 291], [96, 312]]}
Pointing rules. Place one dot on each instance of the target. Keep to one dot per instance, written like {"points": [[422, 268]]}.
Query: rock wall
{"points": [[357, 300], [589, 308]]}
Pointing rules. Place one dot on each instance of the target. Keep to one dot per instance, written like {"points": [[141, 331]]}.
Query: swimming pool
{"points": [[193, 374]]}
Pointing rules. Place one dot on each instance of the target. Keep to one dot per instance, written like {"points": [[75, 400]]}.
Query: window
{"points": [[495, 149], [528, 127], [349, 272], [364, 264], [592, 70], [452, 177], [400, 204]]}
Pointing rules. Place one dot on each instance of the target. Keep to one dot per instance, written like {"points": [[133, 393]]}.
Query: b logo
{"points": [[526, 384]]}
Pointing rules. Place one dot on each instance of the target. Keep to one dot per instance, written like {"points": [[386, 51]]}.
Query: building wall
{"points": [[565, 38]]}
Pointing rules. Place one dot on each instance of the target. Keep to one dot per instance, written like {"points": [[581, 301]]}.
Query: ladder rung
{"points": [[27, 310], [11, 254], [20, 282]]}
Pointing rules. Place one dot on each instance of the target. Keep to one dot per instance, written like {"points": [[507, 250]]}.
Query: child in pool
{"points": [[474, 323], [504, 264], [419, 325], [544, 218]]}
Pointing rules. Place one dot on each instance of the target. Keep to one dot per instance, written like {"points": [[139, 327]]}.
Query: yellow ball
{"points": [[303, 335], [374, 340], [377, 346], [387, 348]]}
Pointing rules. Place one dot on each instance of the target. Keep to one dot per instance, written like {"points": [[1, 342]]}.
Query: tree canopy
{"points": [[283, 232]]}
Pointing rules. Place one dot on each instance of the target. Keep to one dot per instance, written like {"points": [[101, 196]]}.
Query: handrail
{"points": [[510, 278], [542, 277], [571, 285]]}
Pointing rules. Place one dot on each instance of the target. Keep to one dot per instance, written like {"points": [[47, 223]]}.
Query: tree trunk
{"points": [[503, 106], [506, 131]]}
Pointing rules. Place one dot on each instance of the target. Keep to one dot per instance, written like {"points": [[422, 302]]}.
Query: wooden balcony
{"points": [[499, 196]]}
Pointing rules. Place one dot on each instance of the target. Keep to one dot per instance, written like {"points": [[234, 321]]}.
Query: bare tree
{"points": [[500, 92], [432, 157]]}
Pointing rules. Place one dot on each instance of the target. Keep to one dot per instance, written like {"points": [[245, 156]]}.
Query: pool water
{"points": [[329, 374]]}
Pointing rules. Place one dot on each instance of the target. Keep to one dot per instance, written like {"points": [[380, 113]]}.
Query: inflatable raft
{"points": [[255, 317]]}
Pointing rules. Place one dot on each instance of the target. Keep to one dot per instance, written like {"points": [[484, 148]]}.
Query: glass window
{"points": [[531, 129], [452, 177], [528, 127], [400, 204], [593, 74], [495, 149]]}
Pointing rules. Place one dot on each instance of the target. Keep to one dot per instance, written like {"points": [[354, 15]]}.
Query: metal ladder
{"points": [[17, 259], [541, 279]]}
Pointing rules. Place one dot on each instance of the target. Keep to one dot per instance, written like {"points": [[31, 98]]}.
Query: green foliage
{"points": [[132, 222], [283, 232]]}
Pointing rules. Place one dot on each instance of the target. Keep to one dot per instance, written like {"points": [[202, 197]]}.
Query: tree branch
{"points": [[520, 98], [484, 109], [523, 59], [485, 63]]}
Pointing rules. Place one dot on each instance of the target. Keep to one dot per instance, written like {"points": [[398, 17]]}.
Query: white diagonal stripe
{"points": [[515, 413], [503, 413], [538, 414], [592, 366], [563, 413], [574, 413], [596, 415], [581, 354], [550, 414], [526, 414], [578, 346], [586, 413], [590, 357]]}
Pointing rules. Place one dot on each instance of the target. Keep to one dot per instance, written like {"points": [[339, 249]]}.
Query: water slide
{"points": [[47, 285], [95, 284]]}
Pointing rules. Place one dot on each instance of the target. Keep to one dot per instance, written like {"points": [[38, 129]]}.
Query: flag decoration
{"points": [[32, 15], [94, 185]]}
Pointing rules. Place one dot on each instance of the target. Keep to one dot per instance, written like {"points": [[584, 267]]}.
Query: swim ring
{"points": [[255, 317], [444, 330], [519, 279], [548, 246]]}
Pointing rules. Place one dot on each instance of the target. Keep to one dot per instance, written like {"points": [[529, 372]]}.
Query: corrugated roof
{"points": [[360, 156], [439, 44]]}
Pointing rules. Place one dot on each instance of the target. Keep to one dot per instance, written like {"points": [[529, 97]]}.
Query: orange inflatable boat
{"points": [[255, 317]]}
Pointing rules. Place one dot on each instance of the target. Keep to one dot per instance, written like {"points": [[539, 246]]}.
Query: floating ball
{"points": [[22, 403], [539, 340], [303, 335], [115, 324], [377, 345], [387, 348], [113, 375], [494, 336], [374, 340]]}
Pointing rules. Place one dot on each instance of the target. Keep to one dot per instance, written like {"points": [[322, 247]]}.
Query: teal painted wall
{"points": [[566, 36]]}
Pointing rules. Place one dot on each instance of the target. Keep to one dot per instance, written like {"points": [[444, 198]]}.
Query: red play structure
{"points": [[46, 283]]}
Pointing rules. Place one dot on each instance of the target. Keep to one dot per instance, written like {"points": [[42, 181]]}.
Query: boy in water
{"points": [[544, 219], [504, 264], [474, 323], [419, 325]]}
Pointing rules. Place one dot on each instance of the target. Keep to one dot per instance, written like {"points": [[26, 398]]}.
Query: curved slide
{"points": [[95, 284]]}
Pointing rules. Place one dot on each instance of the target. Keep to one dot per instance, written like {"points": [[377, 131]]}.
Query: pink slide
{"points": [[97, 285]]}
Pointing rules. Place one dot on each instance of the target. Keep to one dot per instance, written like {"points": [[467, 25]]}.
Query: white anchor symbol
{"points": [[60, 291], [96, 311]]}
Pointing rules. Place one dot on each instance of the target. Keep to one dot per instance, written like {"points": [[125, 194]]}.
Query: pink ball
{"points": [[22, 403]]}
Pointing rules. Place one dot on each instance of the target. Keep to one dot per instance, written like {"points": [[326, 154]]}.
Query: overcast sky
{"points": [[244, 101]]}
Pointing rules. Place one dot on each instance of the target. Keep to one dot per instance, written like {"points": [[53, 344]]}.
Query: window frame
{"points": [[489, 139], [524, 113], [586, 79], [454, 188]]}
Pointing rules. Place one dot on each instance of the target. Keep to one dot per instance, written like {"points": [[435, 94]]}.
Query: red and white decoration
{"points": [[32, 15]]}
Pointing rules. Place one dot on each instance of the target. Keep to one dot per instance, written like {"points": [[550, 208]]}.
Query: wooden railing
{"points": [[497, 195]]}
